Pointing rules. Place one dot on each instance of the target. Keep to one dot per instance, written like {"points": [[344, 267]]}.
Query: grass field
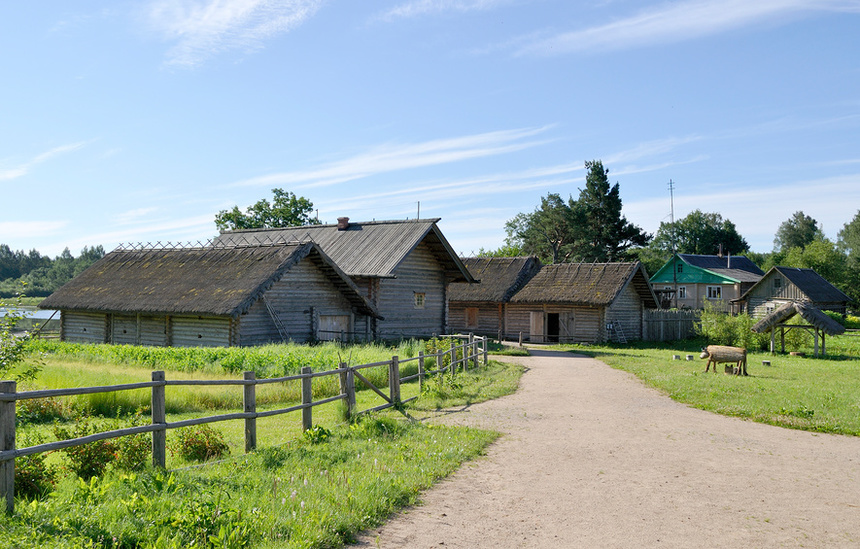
{"points": [[295, 491], [806, 393]]}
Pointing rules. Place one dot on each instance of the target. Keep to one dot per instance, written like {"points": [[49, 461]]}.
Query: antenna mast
{"points": [[674, 254]]}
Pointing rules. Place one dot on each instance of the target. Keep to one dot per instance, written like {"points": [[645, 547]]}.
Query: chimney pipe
{"points": [[342, 223]]}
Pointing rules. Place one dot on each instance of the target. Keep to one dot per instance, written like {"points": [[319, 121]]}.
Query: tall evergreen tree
{"points": [[798, 231]]}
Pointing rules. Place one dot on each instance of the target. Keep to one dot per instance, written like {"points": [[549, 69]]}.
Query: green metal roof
{"points": [[690, 274]]}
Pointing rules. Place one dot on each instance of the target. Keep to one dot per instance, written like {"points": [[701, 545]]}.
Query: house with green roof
{"points": [[688, 281]]}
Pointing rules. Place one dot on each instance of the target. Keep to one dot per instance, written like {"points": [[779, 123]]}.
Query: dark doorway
{"points": [[552, 327]]}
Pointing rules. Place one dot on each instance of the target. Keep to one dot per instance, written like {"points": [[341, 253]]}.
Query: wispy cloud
{"points": [[416, 8], [203, 28], [680, 21], [24, 168], [389, 158]]}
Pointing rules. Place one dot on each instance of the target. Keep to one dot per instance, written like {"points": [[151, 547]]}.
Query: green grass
{"points": [[297, 495], [289, 493], [820, 395]]}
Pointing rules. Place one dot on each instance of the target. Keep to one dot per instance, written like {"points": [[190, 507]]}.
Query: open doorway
{"points": [[552, 324]]}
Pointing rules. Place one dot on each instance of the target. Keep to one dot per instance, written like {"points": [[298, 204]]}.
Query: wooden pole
{"points": [[159, 417], [486, 344], [7, 442], [453, 357], [307, 398], [394, 379], [521, 339], [347, 387], [815, 335], [250, 401], [420, 372]]}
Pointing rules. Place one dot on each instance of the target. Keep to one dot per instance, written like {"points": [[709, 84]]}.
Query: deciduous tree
{"points": [[797, 232], [285, 210]]}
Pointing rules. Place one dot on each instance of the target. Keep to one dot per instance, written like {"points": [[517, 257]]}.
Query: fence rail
{"points": [[458, 356]]}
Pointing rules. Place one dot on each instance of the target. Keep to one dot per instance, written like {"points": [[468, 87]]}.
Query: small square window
{"points": [[419, 300], [715, 292], [777, 283], [682, 292], [680, 268]]}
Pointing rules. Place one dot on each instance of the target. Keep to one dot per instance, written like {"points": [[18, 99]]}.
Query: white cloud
{"points": [[389, 158], [23, 169], [679, 21], [417, 8], [203, 28]]}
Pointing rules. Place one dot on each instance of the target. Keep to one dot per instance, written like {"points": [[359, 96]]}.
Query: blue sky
{"points": [[138, 121]]}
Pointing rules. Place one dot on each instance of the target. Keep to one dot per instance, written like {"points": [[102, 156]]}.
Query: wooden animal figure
{"points": [[717, 354]]}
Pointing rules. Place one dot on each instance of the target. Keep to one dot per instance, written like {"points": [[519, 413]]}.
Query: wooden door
{"points": [[536, 326], [332, 327]]}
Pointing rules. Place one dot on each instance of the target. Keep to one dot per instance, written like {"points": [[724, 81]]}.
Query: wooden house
{"points": [[582, 303], [688, 281], [482, 308], [402, 267], [783, 285], [211, 296]]}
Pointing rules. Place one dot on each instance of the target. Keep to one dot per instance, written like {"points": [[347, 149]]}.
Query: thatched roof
{"points": [[219, 281], [500, 278], [811, 314], [593, 284], [365, 249]]}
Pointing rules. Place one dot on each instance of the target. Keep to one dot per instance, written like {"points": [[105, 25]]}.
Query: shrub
{"points": [[41, 410], [316, 434], [87, 460], [200, 443], [133, 452], [721, 328], [33, 477]]}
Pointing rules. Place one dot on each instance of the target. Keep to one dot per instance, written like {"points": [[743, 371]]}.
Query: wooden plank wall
{"points": [[489, 321], [584, 324], [83, 327], [298, 298], [669, 325], [626, 312], [200, 331], [419, 272]]}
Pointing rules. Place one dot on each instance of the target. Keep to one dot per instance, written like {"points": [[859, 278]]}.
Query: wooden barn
{"points": [[482, 308], [402, 267], [211, 296], [783, 285], [582, 303]]}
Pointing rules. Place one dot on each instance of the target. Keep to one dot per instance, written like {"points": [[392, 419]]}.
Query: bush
{"points": [[41, 410], [133, 452], [200, 443], [87, 460], [720, 328], [33, 477]]}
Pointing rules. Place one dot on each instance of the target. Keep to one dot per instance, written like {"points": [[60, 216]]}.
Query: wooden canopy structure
{"points": [[819, 324]]}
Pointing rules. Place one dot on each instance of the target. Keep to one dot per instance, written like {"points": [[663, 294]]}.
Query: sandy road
{"points": [[592, 458]]}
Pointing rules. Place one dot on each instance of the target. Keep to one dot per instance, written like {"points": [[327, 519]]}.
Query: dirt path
{"points": [[592, 458]]}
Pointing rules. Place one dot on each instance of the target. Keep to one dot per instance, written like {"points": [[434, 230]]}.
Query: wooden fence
{"points": [[669, 325], [459, 356]]}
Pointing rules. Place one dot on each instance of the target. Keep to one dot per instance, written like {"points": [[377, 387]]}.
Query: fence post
{"points": [[472, 354], [394, 379], [159, 417], [307, 398], [486, 344], [250, 401], [347, 387], [521, 339], [420, 372], [453, 357], [7, 443]]}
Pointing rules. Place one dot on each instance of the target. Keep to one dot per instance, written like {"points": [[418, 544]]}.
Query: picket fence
{"points": [[473, 349]]}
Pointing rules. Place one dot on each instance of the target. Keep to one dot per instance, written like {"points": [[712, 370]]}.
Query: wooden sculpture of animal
{"points": [[721, 353]]}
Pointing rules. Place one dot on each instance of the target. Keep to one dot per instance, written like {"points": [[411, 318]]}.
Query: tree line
{"points": [[38, 275], [591, 228]]}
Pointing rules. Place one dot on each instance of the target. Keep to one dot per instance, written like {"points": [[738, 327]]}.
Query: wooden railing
{"points": [[458, 357]]}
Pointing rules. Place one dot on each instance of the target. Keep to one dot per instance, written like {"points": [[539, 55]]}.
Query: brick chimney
{"points": [[342, 223]]}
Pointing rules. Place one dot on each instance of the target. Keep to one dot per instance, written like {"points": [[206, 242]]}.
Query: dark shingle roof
{"points": [[736, 266], [210, 280], [500, 278], [371, 249], [816, 288], [595, 284]]}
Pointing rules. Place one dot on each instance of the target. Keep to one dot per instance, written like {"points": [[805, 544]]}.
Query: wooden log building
{"points": [[212, 296], [403, 267]]}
